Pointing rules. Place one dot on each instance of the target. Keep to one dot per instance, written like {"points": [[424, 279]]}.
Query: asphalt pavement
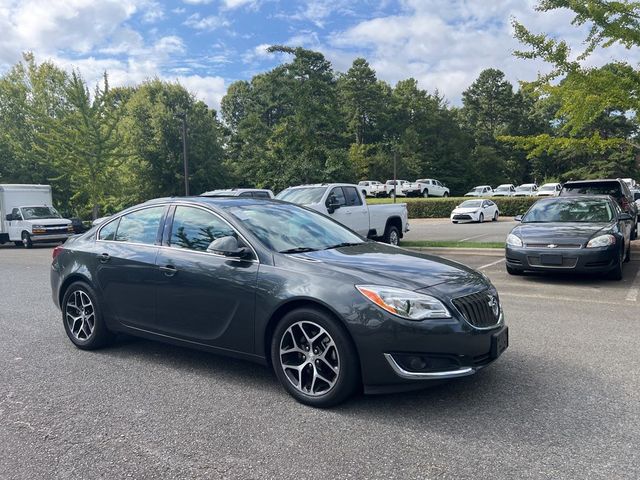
{"points": [[442, 229], [562, 402]]}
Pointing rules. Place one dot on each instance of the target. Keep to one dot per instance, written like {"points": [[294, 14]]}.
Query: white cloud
{"points": [[197, 2], [210, 89], [208, 23], [231, 4]]}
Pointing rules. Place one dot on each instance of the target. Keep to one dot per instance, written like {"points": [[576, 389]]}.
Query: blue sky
{"points": [[208, 44]]}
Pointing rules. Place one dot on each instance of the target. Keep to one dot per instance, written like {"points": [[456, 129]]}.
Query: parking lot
{"points": [[441, 229], [562, 402]]}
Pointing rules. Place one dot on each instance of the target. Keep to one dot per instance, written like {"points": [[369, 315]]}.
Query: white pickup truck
{"points": [[27, 216], [345, 203]]}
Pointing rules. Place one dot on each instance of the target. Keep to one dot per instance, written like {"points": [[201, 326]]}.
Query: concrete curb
{"points": [[485, 252]]}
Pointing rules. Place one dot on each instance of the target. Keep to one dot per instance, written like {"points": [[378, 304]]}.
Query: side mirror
{"points": [[518, 218], [624, 217], [10, 217], [227, 246], [636, 196]]}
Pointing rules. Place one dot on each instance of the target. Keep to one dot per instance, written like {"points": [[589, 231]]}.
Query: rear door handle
{"points": [[169, 270], [104, 257]]}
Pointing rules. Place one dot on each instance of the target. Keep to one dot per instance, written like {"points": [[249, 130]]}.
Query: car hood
{"points": [[466, 210], [380, 264], [49, 221], [559, 232]]}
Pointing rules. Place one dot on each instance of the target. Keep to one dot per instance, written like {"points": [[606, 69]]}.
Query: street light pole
{"points": [[395, 179], [183, 117]]}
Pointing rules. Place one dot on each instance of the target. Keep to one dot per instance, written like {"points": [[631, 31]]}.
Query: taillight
{"points": [[56, 251]]}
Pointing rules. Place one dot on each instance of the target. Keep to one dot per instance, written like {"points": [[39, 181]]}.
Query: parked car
{"points": [[549, 190], [427, 187], [505, 190], [281, 285], [240, 192], [345, 203], [27, 216], [580, 234], [613, 187], [526, 190], [370, 188], [480, 191], [475, 211], [631, 183], [396, 188]]}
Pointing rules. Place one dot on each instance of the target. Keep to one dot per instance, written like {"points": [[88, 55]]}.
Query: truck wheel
{"points": [[26, 240], [425, 193], [392, 195], [18, 244], [445, 195], [392, 235]]}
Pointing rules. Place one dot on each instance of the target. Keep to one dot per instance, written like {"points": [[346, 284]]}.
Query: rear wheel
{"points": [[18, 244], [445, 194], [454, 221], [392, 194], [495, 217], [26, 240], [627, 256], [314, 358], [392, 235], [425, 193], [82, 318]]}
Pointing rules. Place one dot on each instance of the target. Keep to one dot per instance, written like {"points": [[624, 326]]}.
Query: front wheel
{"points": [[495, 217], [82, 318], [616, 273], [445, 195], [26, 240], [314, 358], [481, 218]]}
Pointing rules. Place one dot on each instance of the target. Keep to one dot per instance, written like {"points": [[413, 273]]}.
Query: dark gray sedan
{"points": [[282, 285]]}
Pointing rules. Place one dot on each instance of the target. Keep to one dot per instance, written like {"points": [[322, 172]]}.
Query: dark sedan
{"points": [[583, 234], [282, 285]]}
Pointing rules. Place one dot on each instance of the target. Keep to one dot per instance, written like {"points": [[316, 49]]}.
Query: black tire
{"points": [[347, 380], [495, 217], [454, 221], [391, 235], [481, 218], [634, 232], [392, 194], [425, 193], [513, 271], [616, 273], [364, 193], [445, 195], [18, 244], [26, 240], [627, 255], [100, 334]]}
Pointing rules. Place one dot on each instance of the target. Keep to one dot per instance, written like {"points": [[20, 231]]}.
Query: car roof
{"points": [[599, 180], [214, 201], [578, 198]]}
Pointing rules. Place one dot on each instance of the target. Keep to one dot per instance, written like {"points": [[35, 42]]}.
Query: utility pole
{"points": [[395, 179], [183, 117]]}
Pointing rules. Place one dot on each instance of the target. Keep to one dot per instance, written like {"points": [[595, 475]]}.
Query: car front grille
{"points": [[476, 309], [555, 245], [460, 216]]}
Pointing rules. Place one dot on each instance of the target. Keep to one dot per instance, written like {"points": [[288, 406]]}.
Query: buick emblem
{"points": [[552, 245], [494, 305]]}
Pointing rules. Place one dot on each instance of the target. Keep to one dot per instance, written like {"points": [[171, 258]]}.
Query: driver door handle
{"points": [[103, 257], [169, 270]]}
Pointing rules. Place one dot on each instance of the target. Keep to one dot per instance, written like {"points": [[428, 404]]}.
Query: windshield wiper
{"points": [[299, 250], [344, 244]]}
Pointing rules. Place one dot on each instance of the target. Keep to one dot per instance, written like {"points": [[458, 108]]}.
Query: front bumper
{"points": [[575, 259], [464, 217], [50, 237]]}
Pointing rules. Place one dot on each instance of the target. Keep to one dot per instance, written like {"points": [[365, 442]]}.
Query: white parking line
{"points": [[490, 264], [475, 236], [632, 294], [557, 298]]}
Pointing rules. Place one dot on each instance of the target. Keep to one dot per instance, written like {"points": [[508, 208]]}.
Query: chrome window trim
{"points": [[186, 204], [401, 372]]}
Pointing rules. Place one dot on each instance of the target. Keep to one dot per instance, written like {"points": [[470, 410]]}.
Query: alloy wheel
{"points": [[79, 313], [393, 238], [309, 358]]}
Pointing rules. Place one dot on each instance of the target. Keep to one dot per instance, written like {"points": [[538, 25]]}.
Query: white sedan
{"points": [[475, 211]]}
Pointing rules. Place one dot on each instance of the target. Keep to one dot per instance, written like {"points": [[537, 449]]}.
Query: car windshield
{"points": [[592, 210], [470, 203], [302, 196], [219, 193], [35, 213], [547, 187], [477, 190], [595, 188], [290, 229], [523, 188], [502, 188]]}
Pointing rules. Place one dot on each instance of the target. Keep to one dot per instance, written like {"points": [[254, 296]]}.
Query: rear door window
{"points": [[108, 232], [140, 226]]}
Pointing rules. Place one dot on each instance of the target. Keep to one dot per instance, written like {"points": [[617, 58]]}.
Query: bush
{"points": [[441, 207]]}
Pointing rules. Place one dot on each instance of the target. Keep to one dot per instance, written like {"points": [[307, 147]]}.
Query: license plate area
{"points": [[499, 342], [546, 259]]}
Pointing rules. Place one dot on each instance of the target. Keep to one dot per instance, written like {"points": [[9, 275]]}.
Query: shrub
{"points": [[441, 207]]}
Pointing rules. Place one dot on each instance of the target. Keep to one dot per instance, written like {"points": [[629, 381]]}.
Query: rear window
{"points": [[595, 188]]}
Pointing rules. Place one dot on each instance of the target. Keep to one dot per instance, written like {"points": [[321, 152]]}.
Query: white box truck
{"points": [[27, 216]]}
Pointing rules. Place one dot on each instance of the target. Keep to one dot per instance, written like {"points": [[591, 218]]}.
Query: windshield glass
{"points": [[477, 190], [34, 213], [523, 188], [595, 188], [593, 210], [470, 203], [283, 227], [547, 187], [502, 188], [302, 196]]}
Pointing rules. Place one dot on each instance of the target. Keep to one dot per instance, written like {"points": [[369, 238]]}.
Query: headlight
{"points": [[405, 303], [601, 241], [514, 240]]}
